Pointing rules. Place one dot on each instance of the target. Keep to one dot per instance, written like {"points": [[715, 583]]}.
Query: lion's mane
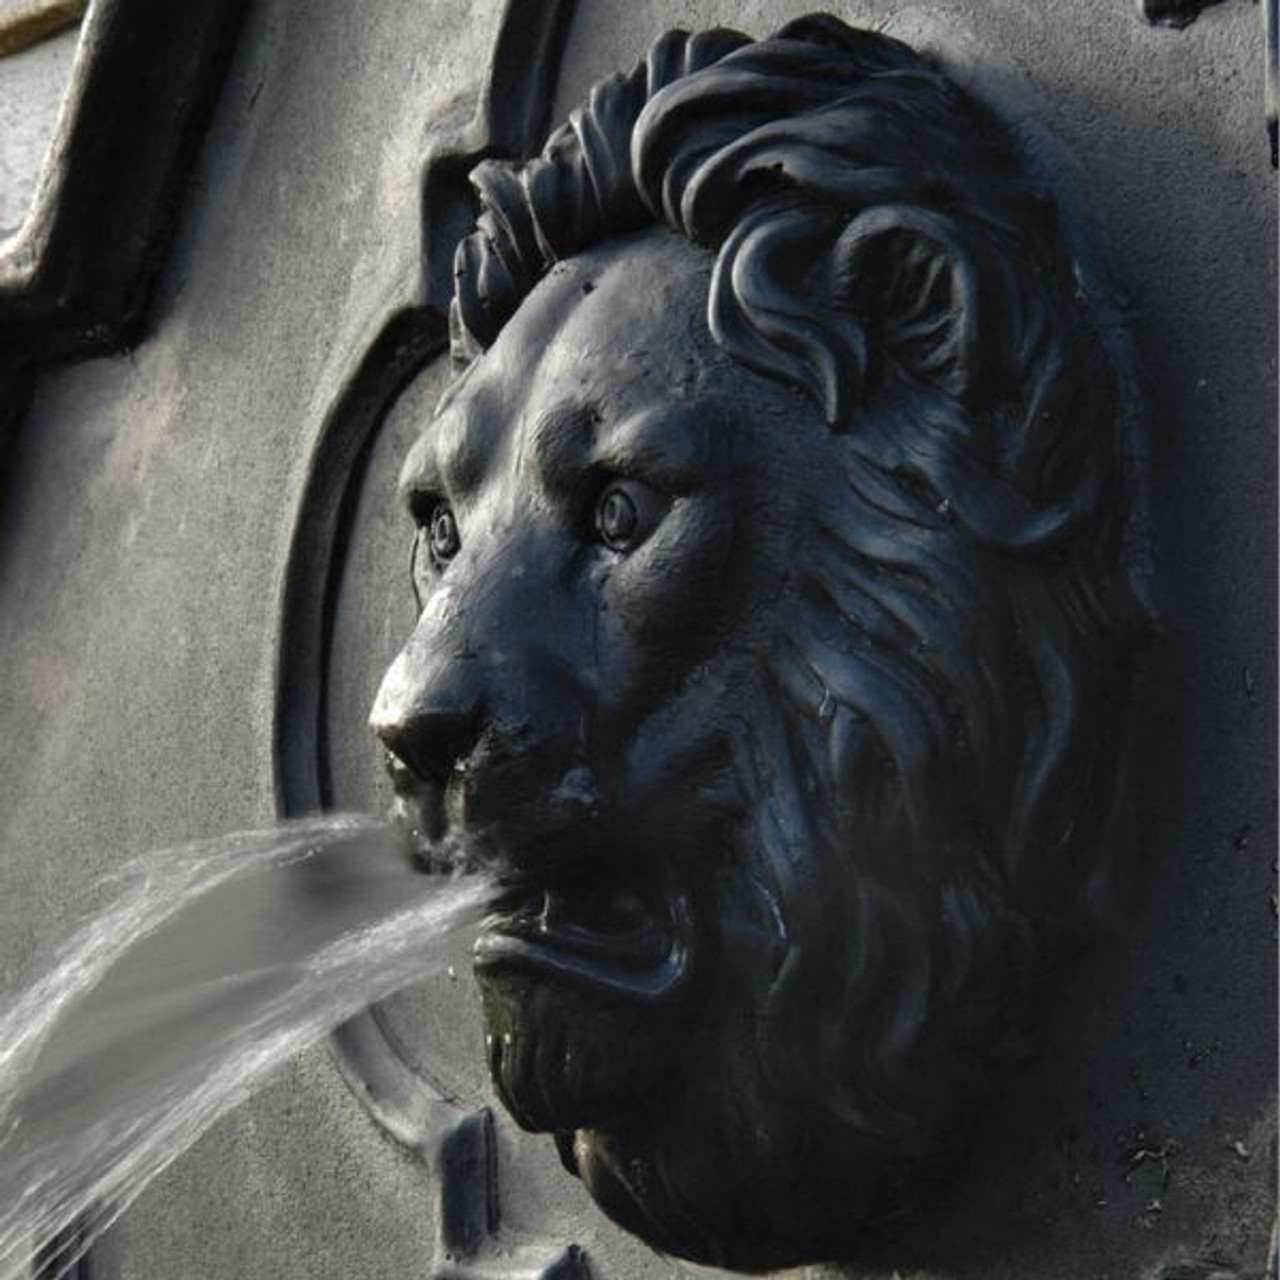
{"points": [[934, 779]]}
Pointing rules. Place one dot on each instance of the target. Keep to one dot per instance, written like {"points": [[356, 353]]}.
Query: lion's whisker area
{"points": [[215, 963]]}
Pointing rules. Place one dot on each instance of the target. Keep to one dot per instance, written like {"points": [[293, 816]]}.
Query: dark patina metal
{"points": [[780, 606]]}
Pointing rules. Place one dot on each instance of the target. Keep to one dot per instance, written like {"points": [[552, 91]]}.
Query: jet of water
{"points": [[216, 962]]}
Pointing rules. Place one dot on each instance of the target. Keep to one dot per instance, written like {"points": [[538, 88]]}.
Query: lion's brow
{"points": [[462, 441], [561, 441]]}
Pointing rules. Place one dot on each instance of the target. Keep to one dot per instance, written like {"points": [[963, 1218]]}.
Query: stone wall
{"points": [[149, 509]]}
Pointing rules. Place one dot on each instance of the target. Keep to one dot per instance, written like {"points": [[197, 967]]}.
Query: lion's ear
{"points": [[913, 283]]}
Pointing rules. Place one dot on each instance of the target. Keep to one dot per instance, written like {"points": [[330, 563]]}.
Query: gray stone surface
{"points": [[32, 84], [146, 517]]}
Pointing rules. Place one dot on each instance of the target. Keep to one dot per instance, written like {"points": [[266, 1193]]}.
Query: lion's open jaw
{"points": [[593, 935]]}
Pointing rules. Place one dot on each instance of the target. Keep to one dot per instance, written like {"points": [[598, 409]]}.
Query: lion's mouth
{"points": [[553, 917], [597, 936]]}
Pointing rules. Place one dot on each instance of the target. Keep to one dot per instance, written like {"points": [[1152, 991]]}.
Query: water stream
{"points": [[215, 963]]}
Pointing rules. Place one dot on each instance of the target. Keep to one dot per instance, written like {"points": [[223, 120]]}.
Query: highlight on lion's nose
{"points": [[430, 728]]}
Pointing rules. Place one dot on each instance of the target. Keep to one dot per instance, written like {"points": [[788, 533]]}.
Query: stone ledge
{"points": [[27, 22]]}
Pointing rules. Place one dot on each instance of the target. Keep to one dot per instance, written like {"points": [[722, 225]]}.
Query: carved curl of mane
{"points": [[953, 694]]}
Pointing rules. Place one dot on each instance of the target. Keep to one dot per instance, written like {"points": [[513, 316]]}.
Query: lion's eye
{"points": [[616, 518], [434, 545], [442, 534], [626, 513]]}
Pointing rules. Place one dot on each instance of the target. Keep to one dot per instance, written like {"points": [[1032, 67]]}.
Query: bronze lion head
{"points": [[779, 611]]}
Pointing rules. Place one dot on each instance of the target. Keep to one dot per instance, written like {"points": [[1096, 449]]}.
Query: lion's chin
{"points": [[563, 1056]]}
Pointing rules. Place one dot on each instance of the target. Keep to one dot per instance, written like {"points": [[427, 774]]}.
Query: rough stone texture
{"points": [[24, 23], [31, 87], [145, 519]]}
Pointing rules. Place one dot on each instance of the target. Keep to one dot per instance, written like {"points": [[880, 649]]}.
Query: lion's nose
{"points": [[432, 726], [433, 743]]}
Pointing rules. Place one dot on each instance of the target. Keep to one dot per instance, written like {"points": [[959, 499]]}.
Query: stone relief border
{"points": [[510, 119], [78, 276]]}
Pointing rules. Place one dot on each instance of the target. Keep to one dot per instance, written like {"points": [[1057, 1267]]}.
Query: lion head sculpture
{"points": [[778, 615]]}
